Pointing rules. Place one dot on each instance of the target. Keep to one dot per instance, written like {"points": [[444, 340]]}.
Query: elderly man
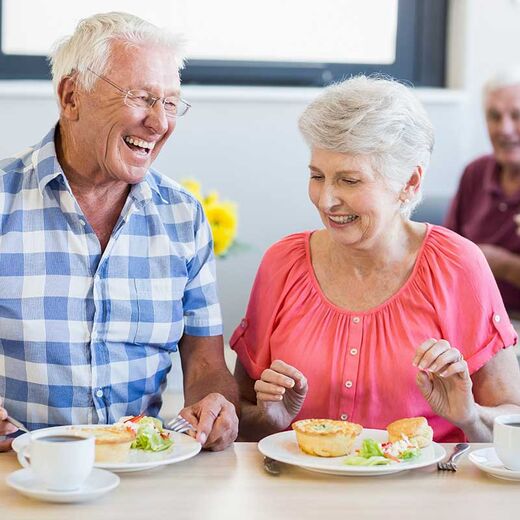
{"points": [[106, 266], [488, 198]]}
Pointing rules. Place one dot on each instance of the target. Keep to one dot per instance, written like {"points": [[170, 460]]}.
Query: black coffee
{"points": [[517, 424], [61, 438]]}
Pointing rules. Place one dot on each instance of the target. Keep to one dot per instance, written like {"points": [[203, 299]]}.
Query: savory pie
{"points": [[112, 442], [325, 437]]}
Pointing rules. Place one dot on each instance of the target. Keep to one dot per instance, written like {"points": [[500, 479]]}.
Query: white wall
{"points": [[244, 142]]}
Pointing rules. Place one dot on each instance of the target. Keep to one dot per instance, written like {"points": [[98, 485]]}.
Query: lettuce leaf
{"points": [[370, 448], [376, 460], [148, 435]]}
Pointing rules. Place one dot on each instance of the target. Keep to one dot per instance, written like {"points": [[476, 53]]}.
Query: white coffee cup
{"points": [[506, 438], [60, 461]]}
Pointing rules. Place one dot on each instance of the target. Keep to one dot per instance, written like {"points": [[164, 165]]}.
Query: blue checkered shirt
{"points": [[85, 335]]}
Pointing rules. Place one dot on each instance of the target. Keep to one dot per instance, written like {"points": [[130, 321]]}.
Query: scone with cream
{"points": [[112, 442], [416, 429], [325, 437]]}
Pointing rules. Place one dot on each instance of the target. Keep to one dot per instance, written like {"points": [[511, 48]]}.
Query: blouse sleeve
{"points": [[474, 317], [251, 339]]}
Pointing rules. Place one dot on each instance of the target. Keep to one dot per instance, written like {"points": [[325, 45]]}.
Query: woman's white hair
{"points": [[374, 116], [89, 45], [504, 78]]}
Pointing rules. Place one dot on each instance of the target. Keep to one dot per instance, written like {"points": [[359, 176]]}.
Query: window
{"points": [[273, 42]]}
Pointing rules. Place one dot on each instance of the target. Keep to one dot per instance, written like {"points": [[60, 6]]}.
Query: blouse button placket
{"points": [[350, 373]]}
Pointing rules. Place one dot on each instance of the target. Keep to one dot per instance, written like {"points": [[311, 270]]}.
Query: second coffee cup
{"points": [[506, 438]]}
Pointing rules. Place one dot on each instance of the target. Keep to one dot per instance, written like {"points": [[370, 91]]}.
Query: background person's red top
{"points": [[482, 213], [359, 364]]}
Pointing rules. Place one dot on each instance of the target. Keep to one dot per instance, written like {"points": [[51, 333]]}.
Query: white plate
{"points": [[98, 483], [486, 459], [284, 448], [184, 447]]}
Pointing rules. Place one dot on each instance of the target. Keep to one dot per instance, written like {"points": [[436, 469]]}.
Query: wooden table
{"points": [[232, 484]]}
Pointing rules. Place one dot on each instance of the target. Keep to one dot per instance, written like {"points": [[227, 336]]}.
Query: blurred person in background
{"points": [[487, 202]]}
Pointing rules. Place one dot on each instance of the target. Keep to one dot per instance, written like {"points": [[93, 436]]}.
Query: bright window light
{"points": [[330, 31]]}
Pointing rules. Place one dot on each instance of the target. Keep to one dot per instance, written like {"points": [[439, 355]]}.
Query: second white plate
{"points": [[284, 448]]}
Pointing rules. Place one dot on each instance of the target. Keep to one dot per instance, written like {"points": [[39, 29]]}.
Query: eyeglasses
{"points": [[173, 106]]}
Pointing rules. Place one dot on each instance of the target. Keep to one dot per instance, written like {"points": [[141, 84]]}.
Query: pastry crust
{"points": [[325, 437], [415, 428], [112, 442]]}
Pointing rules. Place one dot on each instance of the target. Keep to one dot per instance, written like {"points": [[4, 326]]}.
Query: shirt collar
{"points": [[492, 178], [491, 183], [46, 167], [45, 162], [142, 191]]}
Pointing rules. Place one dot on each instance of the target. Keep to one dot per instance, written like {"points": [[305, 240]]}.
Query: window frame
{"points": [[420, 58]]}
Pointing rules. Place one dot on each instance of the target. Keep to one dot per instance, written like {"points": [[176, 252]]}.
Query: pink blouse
{"points": [[359, 364]]}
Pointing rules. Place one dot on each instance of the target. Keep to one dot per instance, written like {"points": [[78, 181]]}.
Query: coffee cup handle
{"points": [[22, 458]]}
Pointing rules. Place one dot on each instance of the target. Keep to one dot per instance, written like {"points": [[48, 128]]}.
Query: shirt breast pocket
{"points": [[160, 317]]}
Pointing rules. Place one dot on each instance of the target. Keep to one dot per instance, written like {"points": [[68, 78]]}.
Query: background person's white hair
{"points": [[374, 116], [505, 78], [89, 45]]}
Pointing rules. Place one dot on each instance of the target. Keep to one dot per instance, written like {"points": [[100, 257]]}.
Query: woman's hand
{"points": [[280, 392], [444, 382]]}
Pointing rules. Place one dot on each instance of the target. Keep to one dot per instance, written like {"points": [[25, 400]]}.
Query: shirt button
{"points": [[344, 417], [348, 384], [497, 318], [502, 206], [353, 351], [99, 393], [82, 222], [356, 319], [243, 324]]}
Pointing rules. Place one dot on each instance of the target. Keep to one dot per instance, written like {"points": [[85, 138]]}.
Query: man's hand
{"points": [[280, 392], [215, 419], [5, 428]]}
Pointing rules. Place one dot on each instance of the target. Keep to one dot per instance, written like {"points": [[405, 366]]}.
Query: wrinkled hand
{"points": [[215, 419], [5, 428], [280, 392], [445, 382]]}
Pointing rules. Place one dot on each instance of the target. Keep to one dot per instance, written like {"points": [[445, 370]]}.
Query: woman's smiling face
{"points": [[355, 204]]}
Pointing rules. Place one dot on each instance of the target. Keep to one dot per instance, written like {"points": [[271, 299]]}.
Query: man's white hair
{"points": [[505, 78], [374, 116], [89, 45]]}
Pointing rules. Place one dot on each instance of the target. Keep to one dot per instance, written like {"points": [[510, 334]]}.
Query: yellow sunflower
{"points": [[222, 217]]}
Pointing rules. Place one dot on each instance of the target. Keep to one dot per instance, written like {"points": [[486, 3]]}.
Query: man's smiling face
{"points": [[120, 142]]}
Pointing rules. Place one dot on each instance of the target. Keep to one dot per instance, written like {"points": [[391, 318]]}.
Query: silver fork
{"points": [[180, 425], [450, 465], [18, 424]]}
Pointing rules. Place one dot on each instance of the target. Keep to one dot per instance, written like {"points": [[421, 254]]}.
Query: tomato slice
{"points": [[137, 418]]}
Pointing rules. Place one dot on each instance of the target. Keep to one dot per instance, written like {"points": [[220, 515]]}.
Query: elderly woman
{"points": [[488, 199], [374, 317]]}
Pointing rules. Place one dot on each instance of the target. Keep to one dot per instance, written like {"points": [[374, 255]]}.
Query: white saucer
{"points": [[486, 459], [98, 483]]}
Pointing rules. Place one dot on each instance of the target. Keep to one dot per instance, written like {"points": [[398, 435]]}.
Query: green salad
{"points": [[374, 453], [149, 433]]}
